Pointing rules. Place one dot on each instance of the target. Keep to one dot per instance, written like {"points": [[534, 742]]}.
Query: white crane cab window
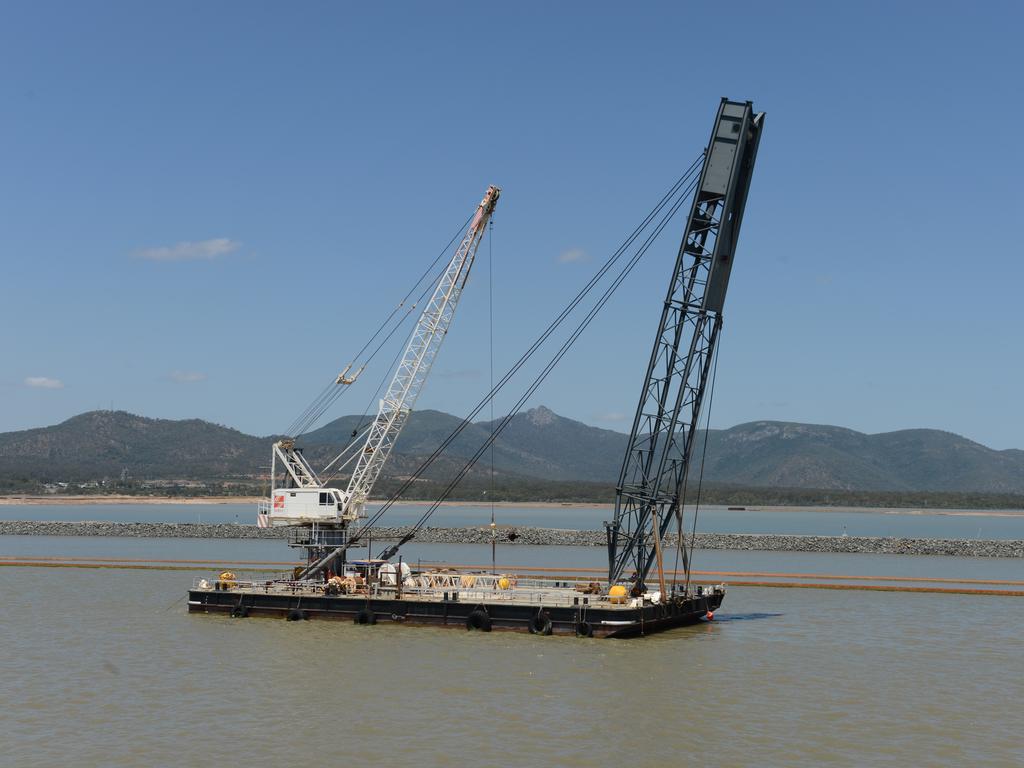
{"points": [[325, 498]]}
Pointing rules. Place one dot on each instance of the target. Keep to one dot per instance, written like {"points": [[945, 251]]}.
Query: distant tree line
{"points": [[480, 490]]}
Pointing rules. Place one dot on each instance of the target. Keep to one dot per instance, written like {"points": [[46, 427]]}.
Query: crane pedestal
{"points": [[318, 540]]}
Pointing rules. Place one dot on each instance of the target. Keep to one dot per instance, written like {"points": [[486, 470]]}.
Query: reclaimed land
{"points": [[542, 536]]}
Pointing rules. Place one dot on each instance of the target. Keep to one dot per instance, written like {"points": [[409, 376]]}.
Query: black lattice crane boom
{"points": [[657, 461]]}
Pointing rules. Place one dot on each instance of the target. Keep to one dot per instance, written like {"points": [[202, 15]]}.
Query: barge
{"points": [[327, 521], [467, 601]]}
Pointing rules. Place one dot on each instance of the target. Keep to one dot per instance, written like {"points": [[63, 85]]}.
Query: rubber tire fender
{"points": [[240, 612], [478, 620], [296, 615], [365, 616], [540, 624], [584, 629]]}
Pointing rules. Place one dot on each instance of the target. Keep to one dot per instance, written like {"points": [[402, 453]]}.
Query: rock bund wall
{"points": [[542, 536]]}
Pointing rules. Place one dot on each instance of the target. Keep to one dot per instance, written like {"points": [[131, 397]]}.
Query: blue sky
{"points": [[205, 208]]}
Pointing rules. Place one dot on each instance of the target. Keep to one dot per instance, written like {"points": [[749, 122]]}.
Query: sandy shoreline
{"points": [[121, 499]]}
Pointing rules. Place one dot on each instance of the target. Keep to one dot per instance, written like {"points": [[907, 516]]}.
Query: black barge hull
{"points": [[577, 620]]}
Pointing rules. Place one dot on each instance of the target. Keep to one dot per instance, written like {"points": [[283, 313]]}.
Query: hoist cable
{"points": [[700, 477], [539, 341], [343, 464], [562, 351], [428, 288], [317, 400], [579, 297], [388, 375], [687, 177], [325, 406], [490, 348], [362, 426]]}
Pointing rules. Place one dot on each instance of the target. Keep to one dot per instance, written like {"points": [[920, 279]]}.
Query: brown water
{"points": [[105, 668], [821, 521]]}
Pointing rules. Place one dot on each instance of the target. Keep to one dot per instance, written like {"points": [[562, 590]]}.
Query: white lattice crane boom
{"points": [[307, 500], [416, 362]]}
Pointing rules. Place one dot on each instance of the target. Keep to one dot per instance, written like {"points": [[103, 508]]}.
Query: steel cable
{"points": [[294, 430], [507, 419], [688, 180], [688, 560]]}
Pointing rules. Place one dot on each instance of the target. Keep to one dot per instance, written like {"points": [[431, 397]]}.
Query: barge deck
{"points": [[475, 602]]}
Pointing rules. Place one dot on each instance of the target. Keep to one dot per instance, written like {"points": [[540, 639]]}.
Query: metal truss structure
{"points": [[649, 494], [294, 463], [416, 362]]}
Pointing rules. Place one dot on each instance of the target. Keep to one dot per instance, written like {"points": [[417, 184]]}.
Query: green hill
{"points": [[789, 455], [538, 445], [102, 443]]}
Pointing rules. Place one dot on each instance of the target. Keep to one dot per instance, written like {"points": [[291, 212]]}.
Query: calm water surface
{"points": [[216, 551], [105, 668], [712, 519]]}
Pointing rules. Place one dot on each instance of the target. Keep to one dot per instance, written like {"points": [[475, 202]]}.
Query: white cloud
{"points": [[43, 382], [573, 255], [186, 377], [190, 251]]}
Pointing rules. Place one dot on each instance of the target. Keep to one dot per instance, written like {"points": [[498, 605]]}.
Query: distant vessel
{"points": [[652, 482]]}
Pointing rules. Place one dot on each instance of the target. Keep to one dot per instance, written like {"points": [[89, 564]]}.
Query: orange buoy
{"points": [[709, 615], [617, 594]]}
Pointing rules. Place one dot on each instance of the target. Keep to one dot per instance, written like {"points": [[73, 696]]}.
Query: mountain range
{"points": [[537, 444]]}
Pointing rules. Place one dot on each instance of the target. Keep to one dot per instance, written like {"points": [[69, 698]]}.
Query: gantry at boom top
{"points": [[320, 514]]}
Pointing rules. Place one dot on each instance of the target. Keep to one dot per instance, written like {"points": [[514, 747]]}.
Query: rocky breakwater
{"points": [[874, 545], [542, 537]]}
